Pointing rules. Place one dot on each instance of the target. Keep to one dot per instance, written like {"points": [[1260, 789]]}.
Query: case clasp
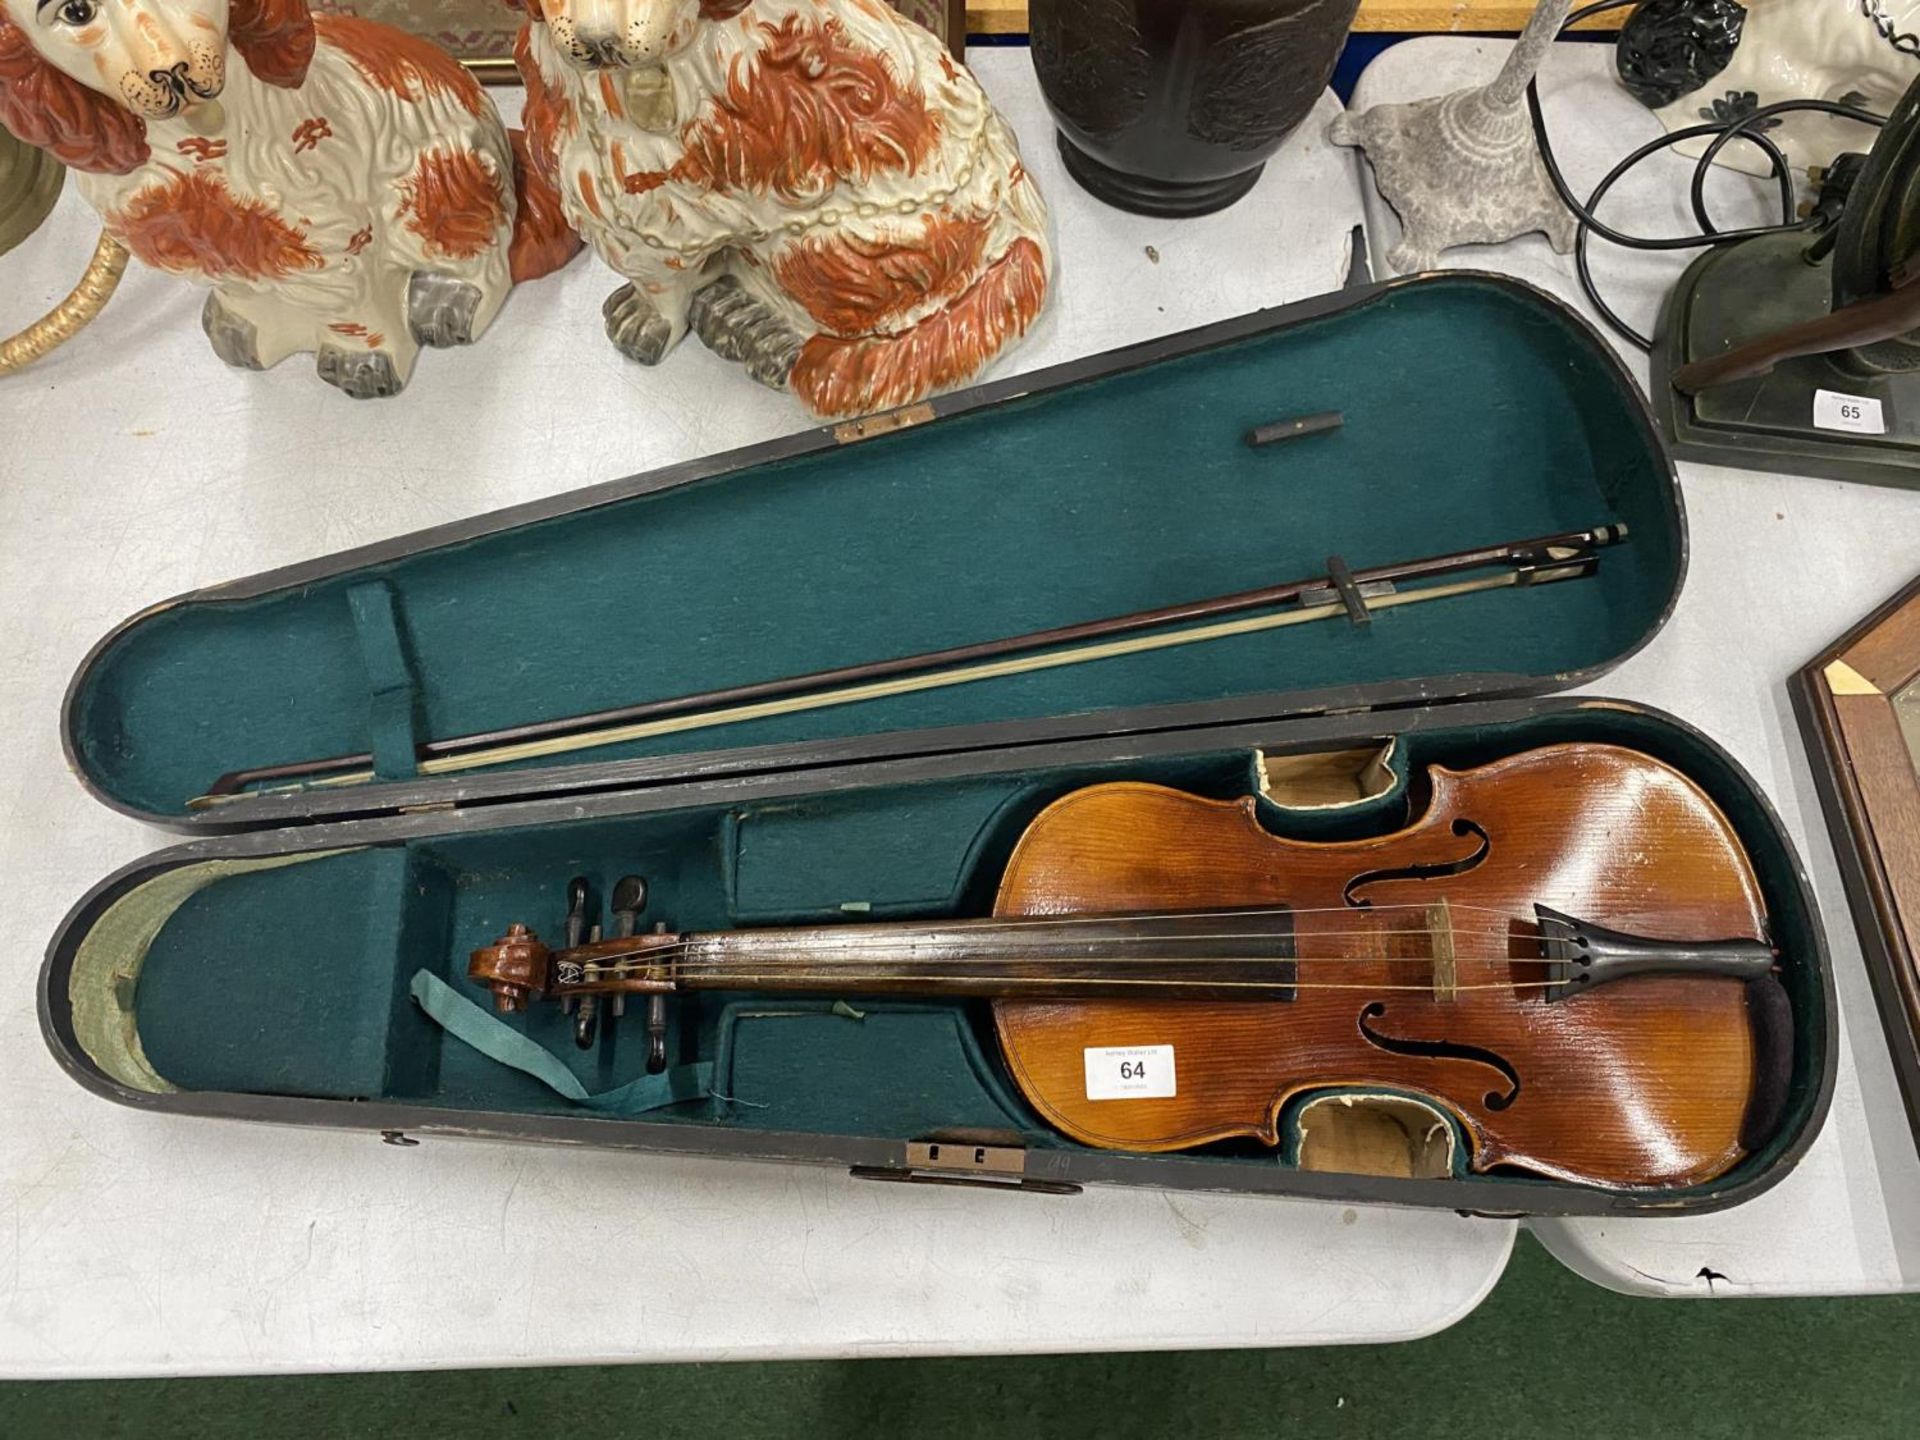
{"points": [[962, 1162]]}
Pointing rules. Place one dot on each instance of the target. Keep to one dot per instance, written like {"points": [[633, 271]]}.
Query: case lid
{"points": [[1476, 410]]}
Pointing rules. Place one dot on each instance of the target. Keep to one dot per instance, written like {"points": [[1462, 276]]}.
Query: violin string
{"points": [[807, 953], [959, 969], [850, 937], [681, 959], [894, 932], [1116, 950], [906, 944], [749, 979], [1019, 922]]}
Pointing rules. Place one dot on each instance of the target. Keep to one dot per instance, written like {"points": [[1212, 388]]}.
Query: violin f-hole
{"points": [[1431, 870], [1443, 1050]]}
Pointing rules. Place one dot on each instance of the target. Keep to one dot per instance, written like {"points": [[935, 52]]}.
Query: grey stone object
{"points": [[1462, 169]]}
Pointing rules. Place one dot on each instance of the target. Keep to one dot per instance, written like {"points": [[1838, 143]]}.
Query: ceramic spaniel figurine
{"points": [[1698, 60], [813, 186], [344, 188]]}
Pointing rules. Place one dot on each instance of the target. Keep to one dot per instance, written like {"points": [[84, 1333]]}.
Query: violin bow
{"points": [[1355, 595]]}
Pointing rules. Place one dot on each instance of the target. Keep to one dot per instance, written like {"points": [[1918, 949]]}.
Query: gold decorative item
{"points": [[72, 314], [30, 181]]}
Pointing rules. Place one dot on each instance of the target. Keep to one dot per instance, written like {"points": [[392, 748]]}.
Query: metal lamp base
{"points": [[1736, 293]]}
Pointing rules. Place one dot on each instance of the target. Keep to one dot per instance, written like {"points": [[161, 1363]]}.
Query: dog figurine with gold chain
{"points": [[343, 187]]}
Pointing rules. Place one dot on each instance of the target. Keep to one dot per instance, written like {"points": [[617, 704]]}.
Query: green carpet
{"points": [[1548, 1353]]}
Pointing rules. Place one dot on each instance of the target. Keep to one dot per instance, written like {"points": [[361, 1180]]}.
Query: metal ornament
{"points": [[30, 183], [1462, 169]]}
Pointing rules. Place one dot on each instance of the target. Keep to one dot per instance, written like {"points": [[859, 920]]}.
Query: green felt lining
{"points": [[1474, 413], [938, 1077], [783, 858], [311, 957], [215, 1003]]}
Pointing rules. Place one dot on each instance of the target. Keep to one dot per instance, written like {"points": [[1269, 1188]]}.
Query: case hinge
{"points": [[962, 1162], [852, 430]]}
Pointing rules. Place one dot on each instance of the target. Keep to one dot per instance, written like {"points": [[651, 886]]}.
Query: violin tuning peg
{"points": [[579, 900], [629, 897], [579, 896], [656, 1034], [586, 1020]]}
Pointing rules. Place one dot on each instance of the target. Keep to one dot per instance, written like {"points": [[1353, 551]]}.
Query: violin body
{"points": [[1649, 1080]]}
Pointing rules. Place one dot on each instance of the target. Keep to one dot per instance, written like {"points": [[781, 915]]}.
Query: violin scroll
{"points": [[516, 968], [519, 968]]}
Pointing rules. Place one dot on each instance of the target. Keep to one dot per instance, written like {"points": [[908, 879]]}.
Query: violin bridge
{"points": [[1446, 970]]}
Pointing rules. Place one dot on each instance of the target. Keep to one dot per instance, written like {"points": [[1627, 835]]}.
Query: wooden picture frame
{"points": [[479, 33], [1859, 709]]}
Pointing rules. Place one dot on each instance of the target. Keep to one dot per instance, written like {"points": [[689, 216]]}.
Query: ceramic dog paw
{"points": [[735, 326], [441, 308], [363, 374], [232, 335], [636, 327]]}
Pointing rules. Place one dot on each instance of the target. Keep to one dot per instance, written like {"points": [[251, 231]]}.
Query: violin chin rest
{"points": [[1771, 1014]]}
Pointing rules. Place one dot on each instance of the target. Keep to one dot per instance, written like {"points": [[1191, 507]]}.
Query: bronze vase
{"points": [[1171, 107]]}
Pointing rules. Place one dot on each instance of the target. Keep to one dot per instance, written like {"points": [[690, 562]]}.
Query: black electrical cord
{"points": [[1775, 159], [1588, 227], [1740, 128]]}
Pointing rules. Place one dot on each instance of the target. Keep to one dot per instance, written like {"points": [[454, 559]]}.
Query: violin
{"points": [[1564, 950]]}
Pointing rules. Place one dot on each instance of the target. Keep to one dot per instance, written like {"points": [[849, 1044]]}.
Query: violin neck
{"points": [[1200, 956]]}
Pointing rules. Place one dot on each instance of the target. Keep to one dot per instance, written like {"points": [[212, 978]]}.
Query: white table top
{"points": [[1781, 567], [133, 466]]}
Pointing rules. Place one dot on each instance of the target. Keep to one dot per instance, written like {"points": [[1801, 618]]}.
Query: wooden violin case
{"points": [[263, 968]]}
